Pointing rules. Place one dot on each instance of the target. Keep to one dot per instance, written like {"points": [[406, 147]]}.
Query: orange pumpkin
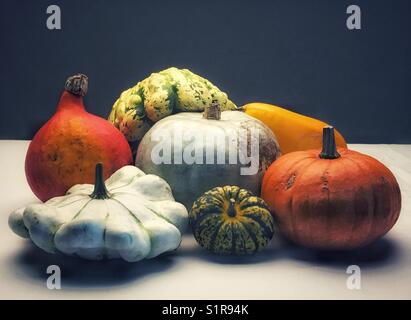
{"points": [[330, 199], [65, 150]]}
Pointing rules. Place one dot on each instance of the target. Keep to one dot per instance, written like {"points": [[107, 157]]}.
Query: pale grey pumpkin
{"points": [[189, 180]]}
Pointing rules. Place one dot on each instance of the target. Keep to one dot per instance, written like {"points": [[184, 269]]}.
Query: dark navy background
{"points": [[294, 53]]}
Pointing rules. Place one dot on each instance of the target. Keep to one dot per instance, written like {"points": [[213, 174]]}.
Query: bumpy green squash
{"points": [[229, 220], [161, 94]]}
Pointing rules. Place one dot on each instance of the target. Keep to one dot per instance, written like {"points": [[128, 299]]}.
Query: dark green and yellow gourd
{"points": [[229, 220]]}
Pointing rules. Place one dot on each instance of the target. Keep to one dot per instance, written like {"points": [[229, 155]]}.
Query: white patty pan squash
{"points": [[132, 216]]}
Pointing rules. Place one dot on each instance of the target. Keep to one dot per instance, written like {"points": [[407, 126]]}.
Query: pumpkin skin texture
{"points": [[161, 94], [338, 203], [65, 150], [295, 132], [189, 181], [230, 220], [131, 216]]}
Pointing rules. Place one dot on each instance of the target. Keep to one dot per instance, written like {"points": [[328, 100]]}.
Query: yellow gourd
{"points": [[294, 132]]}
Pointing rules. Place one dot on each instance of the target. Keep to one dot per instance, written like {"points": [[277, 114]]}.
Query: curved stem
{"points": [[100, 190], [212, 111], [329, 150]]}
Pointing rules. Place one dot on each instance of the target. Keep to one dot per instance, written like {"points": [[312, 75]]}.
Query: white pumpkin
{"points": [[134, 218], [165, 148]]}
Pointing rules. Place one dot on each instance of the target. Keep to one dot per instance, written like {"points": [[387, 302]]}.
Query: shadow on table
{"points": [[192, 249], [381, 253], [202, 254], [83, 273]]}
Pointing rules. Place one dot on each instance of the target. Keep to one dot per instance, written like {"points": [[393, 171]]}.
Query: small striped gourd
{"points": [[229, 220]]}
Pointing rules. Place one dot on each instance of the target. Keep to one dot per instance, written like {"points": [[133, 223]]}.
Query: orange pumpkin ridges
{"points": [[331, 200], [65, 151]]}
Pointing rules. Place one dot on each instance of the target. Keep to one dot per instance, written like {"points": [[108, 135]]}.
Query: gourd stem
{"points": [[212, 111], [329, 150], [77, 84], [100, 190], [231, 212]]}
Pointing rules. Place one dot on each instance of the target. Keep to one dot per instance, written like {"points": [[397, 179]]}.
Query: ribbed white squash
{"points": [[136, 219]]}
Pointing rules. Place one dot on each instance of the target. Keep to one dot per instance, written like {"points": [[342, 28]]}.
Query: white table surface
{"points": [[280, 272]]}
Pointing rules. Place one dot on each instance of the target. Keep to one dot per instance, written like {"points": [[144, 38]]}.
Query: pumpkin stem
{"points": [[77, 84], [212, 111], [231, 212], [329, 150], [100, 190]]}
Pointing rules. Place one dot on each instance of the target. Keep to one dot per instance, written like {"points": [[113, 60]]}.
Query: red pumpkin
{"points": [[64, 152], [330, 199]]}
